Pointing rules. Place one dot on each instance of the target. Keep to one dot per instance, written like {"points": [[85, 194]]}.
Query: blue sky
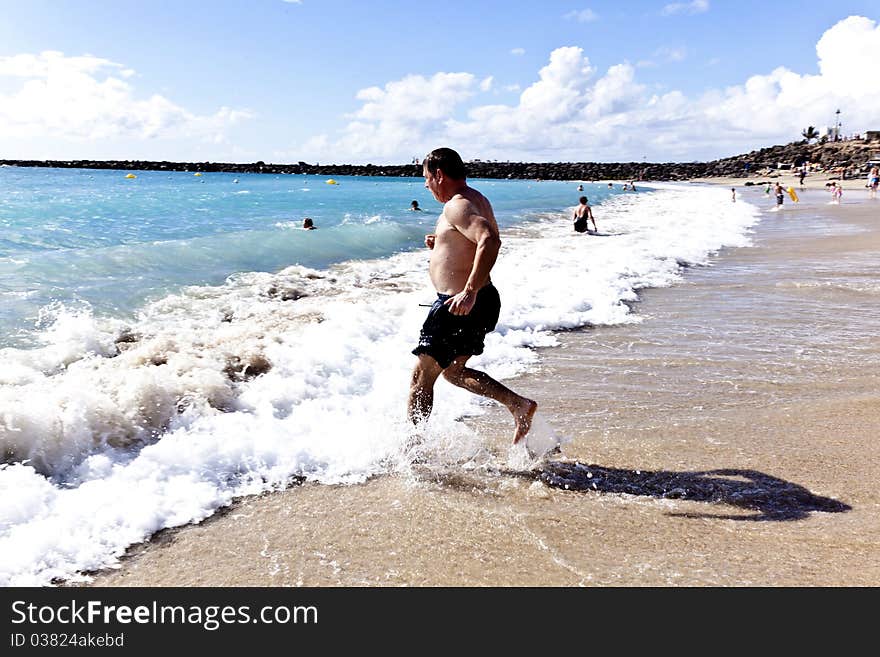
{"points": [[384, 81]]}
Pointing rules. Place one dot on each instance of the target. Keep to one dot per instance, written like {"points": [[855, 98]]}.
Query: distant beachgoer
{"points": [[610, 185], [780, 194], [414, 206], [733, 194], [580, 188], [801, 176], [626, 187], [464, 247], [632, 185], [583, 214], [308, 224], [836, 192], [767, 189], [874, 181]]}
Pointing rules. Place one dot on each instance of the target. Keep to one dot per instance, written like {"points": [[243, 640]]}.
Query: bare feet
{"points": [[522, 416]]}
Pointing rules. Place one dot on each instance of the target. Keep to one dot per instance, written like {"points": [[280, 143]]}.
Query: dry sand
{"points": [[792, 498]]}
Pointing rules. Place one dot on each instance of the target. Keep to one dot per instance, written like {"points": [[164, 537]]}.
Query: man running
{"points": [[464, 247]]}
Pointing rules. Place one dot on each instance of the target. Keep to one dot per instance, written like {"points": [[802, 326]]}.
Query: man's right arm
{"points": [[484, 234]]}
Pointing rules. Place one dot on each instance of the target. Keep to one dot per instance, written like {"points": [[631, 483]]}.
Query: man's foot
{"points": [[522, 416]]}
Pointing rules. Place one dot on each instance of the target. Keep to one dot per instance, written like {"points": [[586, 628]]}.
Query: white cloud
{"points": [[486, 83], [518, 51], [695, 7], [85, 98], [395, 119], [582, 16], [572, 113]]}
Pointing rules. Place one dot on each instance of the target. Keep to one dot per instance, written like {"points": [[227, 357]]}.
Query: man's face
{"points": [[432, 183]]}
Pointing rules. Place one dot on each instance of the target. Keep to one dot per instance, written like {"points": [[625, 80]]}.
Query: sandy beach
{"points": [[728, 439], [814, 181]]}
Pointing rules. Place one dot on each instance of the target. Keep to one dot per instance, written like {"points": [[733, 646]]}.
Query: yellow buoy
{"points": [[332, 182], [130, 175], [197, 174]]}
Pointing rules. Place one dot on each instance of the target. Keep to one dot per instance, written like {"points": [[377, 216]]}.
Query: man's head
{"points": [[448, 161], [583, 200], [444, 173]]}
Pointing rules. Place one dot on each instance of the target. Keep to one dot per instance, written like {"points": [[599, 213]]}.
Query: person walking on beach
{"points": [[874, 181], [733, 194], [583, 214], [464, 248], [836, 192]]}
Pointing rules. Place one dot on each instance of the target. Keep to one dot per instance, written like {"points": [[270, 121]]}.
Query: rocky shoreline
{"points": [[847, 156]]}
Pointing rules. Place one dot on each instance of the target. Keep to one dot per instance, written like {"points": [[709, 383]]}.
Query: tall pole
{"points": [[837, 127]]}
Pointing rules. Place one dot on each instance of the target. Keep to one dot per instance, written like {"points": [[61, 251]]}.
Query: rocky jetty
{"points": [[850, 156]]}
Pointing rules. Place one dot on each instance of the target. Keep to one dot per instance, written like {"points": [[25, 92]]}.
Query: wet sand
{"points": [[729, 439]]}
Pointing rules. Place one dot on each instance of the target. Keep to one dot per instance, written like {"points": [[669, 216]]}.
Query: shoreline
{"points": [[809, 454]]}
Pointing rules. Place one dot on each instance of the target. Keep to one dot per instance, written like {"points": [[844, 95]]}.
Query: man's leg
{"points": [[421, 388], [480, 383]]}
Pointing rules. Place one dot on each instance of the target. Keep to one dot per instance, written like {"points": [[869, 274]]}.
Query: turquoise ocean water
{"points": [[96, 240]]}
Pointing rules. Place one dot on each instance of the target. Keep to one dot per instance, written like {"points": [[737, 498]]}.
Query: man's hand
{"points": [[429, 240], [461, 303]]}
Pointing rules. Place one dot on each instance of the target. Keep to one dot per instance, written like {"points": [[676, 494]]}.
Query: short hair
{"points": [[583, 199], [447, 160], [307, 222]]}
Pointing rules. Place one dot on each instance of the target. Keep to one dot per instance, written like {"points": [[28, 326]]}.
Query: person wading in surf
{"points": [[583, 213], [464, 248]]}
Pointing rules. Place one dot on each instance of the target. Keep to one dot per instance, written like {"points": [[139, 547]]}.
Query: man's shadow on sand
{"points": [[773, 498]]}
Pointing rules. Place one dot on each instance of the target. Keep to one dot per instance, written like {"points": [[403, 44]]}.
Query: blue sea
{"points": [[96, 241], [172, 341]]}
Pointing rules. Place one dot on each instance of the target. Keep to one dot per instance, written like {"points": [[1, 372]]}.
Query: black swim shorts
{"points": [[445, 336]]}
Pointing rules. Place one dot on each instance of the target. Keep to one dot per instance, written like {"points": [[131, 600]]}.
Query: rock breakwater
{"points": [[850, 156]]}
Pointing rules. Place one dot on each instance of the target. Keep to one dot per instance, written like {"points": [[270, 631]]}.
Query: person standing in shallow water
{"points": [[464, 248]]}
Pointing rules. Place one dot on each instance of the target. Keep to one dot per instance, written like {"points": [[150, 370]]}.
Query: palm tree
{"points": [[810, 134]]}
